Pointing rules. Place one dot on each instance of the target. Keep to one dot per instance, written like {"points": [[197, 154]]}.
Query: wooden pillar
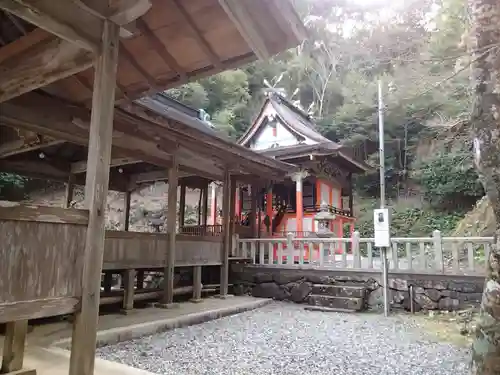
{"points": [[232, 213], [70, 188], [299, 178], [182, 205], [13, 347], [269, 210], [196, 284], [213, 205], [200, 202], [226, 230], [351, 198], [253, 211], [96, 191], [108, 281], [205, 205], [128, 195], [128, 297], [168, 276]]}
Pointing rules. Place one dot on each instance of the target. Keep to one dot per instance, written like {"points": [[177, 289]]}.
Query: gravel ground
{"points": [[285, 339]]}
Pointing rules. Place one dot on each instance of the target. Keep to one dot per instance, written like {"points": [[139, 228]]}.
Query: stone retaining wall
{"points": [[431, 292]]}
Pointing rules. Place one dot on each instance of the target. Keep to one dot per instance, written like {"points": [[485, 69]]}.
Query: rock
{"points": [[301, 292], [372, 284], [450, 293], [239, 289], [266, 290], [286, 277], [397, 296], [245, 276], [320, 279], [376, 299], [263, 277], [283, 294], [407, 305], [465, 287], [448, 303], [425, 302], [433, 294], [470, 297], [398, 284], [430, 284], [418, 290]]}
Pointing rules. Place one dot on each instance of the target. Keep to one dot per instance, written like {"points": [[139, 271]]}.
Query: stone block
{"points": [[398, 284], [470, 297], [282, 278], [347, 303], [425, 302], [300, 292], [397, 296], [339, 290], [266, 290], [449, 304], [376, 299], [465, 287], [433, 294], [263, 277], [283, 294], [430, 284]]}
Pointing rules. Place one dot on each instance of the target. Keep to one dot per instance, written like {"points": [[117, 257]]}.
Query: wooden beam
{"points": [[35, 169], [168, 275], [161, 49], [96, 190], [197, 34], [70, 187], [44, 14], [128, 196], [20, 146], [40, 65], [81, 166]]}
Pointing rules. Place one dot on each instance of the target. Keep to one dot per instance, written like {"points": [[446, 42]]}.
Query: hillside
{"points": [[144, 202]]}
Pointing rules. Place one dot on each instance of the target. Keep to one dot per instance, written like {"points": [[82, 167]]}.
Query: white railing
{"points": [[435, 254]]}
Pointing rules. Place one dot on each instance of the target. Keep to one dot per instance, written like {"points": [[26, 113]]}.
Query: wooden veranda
{"points": [[74, 107]]}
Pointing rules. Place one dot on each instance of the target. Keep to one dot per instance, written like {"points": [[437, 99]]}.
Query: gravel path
{"points": [[285, 339]]}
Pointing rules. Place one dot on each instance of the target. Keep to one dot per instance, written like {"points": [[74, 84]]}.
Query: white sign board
{"points": [[381, 227]]}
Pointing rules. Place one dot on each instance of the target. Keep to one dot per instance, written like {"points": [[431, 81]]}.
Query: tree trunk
{"points": [[485, 16]]}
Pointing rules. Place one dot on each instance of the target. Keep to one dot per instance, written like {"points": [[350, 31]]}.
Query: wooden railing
{"points": [[434, 254], [201, 230], [318, 208]]}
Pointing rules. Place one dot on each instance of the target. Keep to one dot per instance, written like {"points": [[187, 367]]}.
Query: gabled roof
{"points": [[296, 120]]}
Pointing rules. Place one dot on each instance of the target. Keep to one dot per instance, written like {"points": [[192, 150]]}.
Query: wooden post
{"points": [[232, 213], [128, 195], [213, 206], [140, 279], [298, 178], [205, 205], [128, 297], [253, 211], [226, 230], [196, 284], [200, 201], [182, 205], [168, 276], [70, 187], [13, 347], [351, 197], [96, 191], [108, 281]]}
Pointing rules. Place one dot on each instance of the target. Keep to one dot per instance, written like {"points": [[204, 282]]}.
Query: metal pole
{"points": [[383, 250]]}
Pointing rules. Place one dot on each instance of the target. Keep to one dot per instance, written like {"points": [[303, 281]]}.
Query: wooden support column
{"points": [[128, 296], [205, 205], [299, 178], [200, 202], [168, 295], [351, 196], [13, 347], [70, 187], [253, 211], [226, 230], [269, 210], [108, 281], [213, 206], [197, 284], [232, 213], [96, 190], [128, 195], [182, 205]]}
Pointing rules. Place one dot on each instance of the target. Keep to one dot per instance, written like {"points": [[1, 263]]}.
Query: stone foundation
{"points": [[430, 292]]}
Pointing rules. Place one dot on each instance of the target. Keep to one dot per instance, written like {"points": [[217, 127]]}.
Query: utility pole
{"points": [[383, 250]]}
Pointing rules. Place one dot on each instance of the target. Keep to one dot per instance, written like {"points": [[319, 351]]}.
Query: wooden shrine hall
{"points": [[79, 104]]}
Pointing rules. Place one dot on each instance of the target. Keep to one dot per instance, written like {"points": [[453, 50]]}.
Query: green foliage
{"points": [[448, 178], [409, 221], [10, 183]]}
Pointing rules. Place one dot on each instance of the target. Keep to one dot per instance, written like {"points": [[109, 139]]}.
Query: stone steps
{"points": [[341, 298], [339, 290]]}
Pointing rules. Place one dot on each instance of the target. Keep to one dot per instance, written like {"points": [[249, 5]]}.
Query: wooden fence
{"points": [[435, 254]]}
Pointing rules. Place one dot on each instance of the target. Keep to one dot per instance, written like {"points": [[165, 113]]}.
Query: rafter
{"points": [[161, 49], [197, 34]]}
